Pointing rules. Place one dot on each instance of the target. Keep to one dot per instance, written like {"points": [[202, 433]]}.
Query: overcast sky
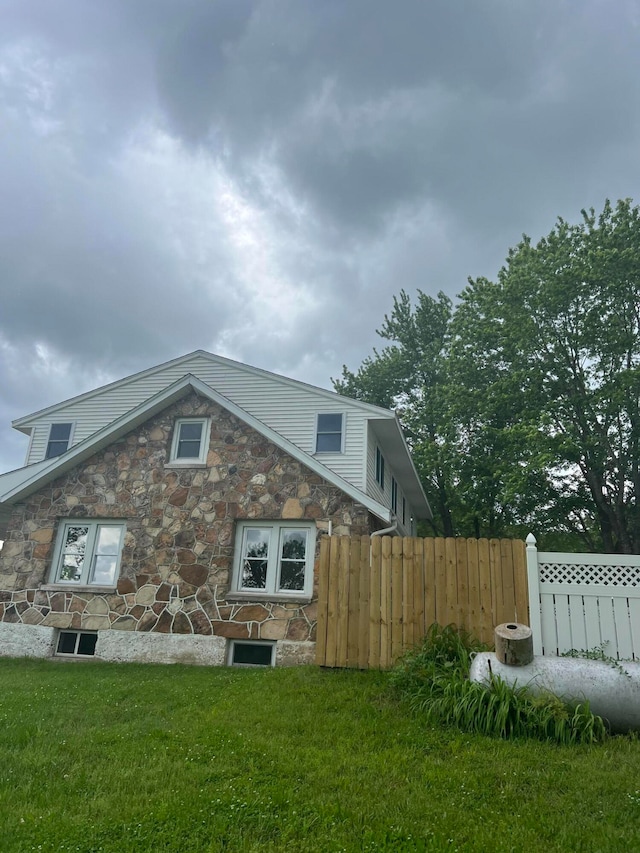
{"points": [[258, 178]]}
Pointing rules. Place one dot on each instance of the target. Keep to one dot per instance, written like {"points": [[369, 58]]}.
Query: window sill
{"points": [[268, 596], [67, 587], [185, 465]]}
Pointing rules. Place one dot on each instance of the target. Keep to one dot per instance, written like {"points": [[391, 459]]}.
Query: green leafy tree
{"points": [[522, 403], [556, 340]]}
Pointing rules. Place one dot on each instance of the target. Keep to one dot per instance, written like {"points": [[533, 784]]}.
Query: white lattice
{"points": [[588, 574]]}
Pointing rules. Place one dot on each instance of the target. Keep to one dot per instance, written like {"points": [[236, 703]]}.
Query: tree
{"points": [[557, 340], [522, 403]]}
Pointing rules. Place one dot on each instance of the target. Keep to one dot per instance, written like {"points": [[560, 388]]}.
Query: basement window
{"points": [[247, 653], [77, 643]]}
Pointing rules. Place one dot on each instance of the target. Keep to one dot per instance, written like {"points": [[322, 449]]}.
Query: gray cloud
{"points": [[260, 177]]}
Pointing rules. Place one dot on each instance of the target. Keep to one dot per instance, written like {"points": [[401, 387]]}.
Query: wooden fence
{"points": [[378, 595]]}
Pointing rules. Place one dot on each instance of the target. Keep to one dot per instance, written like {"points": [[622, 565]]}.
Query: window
{"points": [[190, 441], [394, 494], [247, 653], [379, 468], [76, 643], [88, 553], [59, 438], [274, 558], [404, 511], [329, 433]]}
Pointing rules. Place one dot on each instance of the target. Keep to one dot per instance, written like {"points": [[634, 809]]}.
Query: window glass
{"points": [[255, 654], [394, 494], [107, 549], [189, 439], [255, 558], [293, 554], [329, 433], [73, 553], [379, 467], [59, 436]]}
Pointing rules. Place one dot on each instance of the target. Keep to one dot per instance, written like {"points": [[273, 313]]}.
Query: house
{"points": [[176, 514]]}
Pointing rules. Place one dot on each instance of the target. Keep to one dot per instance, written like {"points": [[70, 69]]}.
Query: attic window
{"points": [[59, 438], [190, 441], [329, 433]]}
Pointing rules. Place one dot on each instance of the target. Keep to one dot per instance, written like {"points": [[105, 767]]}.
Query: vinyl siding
{"points": [[288, 409], [372, 487]]}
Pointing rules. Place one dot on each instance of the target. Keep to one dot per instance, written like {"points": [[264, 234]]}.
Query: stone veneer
{"points": [[180, 533]]}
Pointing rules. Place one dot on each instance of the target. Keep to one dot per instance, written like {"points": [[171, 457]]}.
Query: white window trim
{"points": [[83, 583], [342, 433], [205, 436], [234, 643], [394, 494], [270, 593], [69, 442]]}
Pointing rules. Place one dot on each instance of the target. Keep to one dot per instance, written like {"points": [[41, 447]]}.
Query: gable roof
{"points": [[14, 487], [24, 423]]}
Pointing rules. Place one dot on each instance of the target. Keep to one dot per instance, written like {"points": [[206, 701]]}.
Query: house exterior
{"points": [[176, 515]]}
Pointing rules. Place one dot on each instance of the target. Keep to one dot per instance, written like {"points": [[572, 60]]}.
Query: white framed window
{"points": [[274, 558], [88, 553], [404, 511], [59, 439], [330, 433], [190, 441], [251, 653], [379, 468], [394, 494]]}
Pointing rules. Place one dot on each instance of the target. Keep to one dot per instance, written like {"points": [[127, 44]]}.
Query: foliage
{"points": [[124, 757], [434, 679], [597, 653], [523, 401]]}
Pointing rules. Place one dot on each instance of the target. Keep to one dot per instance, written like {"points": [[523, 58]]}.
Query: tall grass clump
{"points": [[434, 679]]}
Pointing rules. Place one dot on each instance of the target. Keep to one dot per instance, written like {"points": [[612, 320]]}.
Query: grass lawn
{"points": [[116, 757]]}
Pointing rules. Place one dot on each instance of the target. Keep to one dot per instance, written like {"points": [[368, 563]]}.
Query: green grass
{"points": [[102, 757]]}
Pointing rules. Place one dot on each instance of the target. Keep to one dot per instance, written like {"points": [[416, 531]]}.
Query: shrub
{"points": [[434, 679]]}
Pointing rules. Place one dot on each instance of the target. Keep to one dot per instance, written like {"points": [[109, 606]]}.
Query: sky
{"points": [[258, 178]]}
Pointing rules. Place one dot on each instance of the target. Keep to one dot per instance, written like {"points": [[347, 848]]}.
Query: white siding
{"points": [[372, 487], [290, 409]]}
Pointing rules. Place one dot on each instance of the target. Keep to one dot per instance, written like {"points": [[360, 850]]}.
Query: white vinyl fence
{"points": [[586, 600]]}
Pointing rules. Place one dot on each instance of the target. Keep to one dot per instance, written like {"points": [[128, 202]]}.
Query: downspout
{"points": [[382, 532]]}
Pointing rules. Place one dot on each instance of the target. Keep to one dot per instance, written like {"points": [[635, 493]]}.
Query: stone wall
{"points": [[180, 534]]}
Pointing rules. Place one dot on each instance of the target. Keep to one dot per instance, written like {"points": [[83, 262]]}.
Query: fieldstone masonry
{"points": [[180, 534]]}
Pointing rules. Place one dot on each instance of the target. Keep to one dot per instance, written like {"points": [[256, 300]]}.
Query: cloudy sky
{"points": [[259, 177]]}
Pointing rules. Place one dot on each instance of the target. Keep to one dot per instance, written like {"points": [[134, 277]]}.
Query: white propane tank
{"points": [[612, 690]]}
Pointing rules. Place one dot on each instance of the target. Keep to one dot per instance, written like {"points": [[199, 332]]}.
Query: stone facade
{"points": [[180, 534]]}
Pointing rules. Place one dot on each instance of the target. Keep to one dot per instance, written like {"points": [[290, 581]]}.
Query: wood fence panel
{"points": [[508, 613], [364, 592], [342, 581], [451, 582], [323, 600], [375, 603], [378, 596], [485, 623], [385, 603], [430, 559], [397, 598], [419, 594], [473, 609], [353, 624]]}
